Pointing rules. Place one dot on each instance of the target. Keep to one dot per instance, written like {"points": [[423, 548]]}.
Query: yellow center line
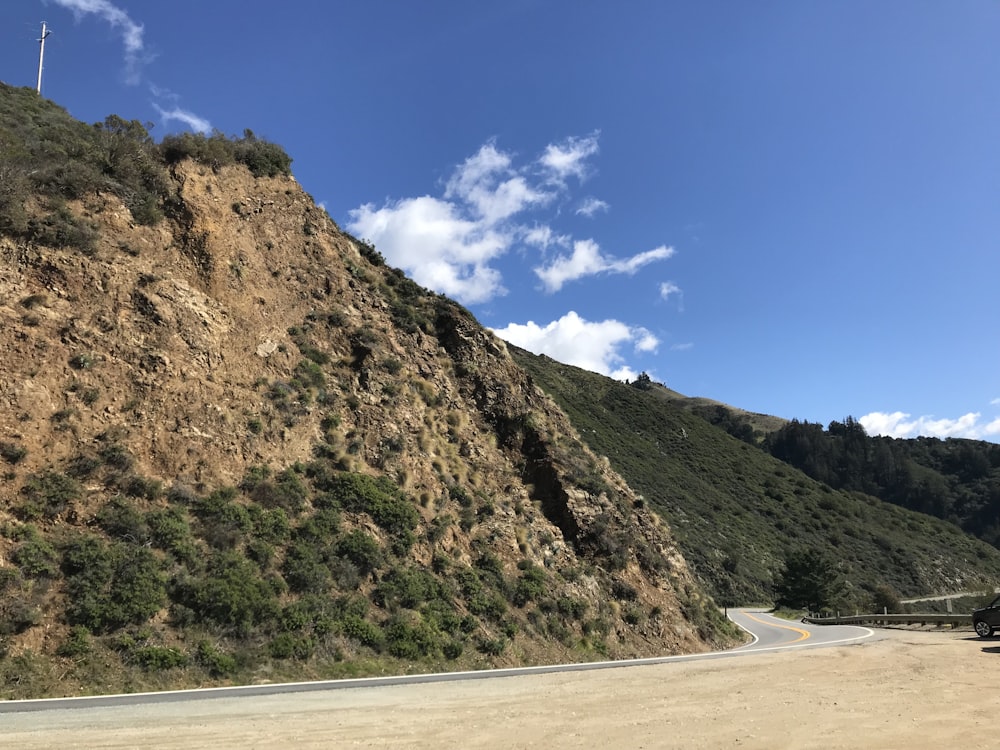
{"points": [[803, 634]]}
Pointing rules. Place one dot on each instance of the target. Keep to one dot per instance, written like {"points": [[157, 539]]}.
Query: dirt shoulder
{"points": [[907, 689]]}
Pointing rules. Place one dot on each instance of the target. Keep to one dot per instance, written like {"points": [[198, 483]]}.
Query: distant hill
{"points": [[746, 425], [736, 510], [954, 479]]}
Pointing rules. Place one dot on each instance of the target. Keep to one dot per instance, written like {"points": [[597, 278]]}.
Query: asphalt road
{"points": [[772, 633], [769, 633]]}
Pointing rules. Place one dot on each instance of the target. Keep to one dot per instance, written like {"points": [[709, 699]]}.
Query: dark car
{"points": [[986, 619]]}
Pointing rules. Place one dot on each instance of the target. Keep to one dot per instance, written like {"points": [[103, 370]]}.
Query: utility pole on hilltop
{"points": [[41, 55]]}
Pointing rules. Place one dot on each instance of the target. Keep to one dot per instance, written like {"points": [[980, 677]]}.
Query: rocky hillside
{"points": [[237, 447]]}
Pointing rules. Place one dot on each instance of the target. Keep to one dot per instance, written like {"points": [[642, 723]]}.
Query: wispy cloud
{"points": [[568, 158], [490, 205], [588, 260], [135, 56], [543, 237], [193, 121], [902, 425], [592, 345], [591, 206], [686, 346], [669, 289], [131, 32]]}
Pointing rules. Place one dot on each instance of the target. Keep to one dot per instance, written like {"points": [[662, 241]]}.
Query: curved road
{"points": [[769, 633], [772, 633]]}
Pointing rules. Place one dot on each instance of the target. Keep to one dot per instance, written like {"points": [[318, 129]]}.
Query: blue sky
{"points": [[789, 206]]}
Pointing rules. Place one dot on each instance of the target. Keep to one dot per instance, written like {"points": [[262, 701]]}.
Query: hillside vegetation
{"points": [[957, 480], [235, 446], [738, 512]]}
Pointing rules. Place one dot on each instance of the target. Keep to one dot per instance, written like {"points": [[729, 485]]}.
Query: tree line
{"points": [[957, 480]]}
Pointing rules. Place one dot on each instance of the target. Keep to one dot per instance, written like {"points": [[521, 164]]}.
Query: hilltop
{"points": [[237, 447]]}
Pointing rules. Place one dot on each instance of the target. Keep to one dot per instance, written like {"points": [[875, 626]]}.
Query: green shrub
{"points": [[304, 568], [407, 636], [408, 587], [379, 498], [491, 646], [308, 374], [35, 556], [361, 549], [530, 586], [120, 519], [361, 630], [47, 495], [270, 525], [288, 646], [158, 658], [572, 608], [12, 453], [137, 486], [262, 158], [169, 530], [230, 593], [82, 465], [77, 643], [216, 662], [286, 490], [321, 527], [489, 604], [58, 227], [260, 552], [17, 614], [224, 523], [82, 361], [110, 586], [117, 457]]}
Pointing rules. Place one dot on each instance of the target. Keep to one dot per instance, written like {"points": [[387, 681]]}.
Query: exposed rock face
{"points": [[247, 330]]}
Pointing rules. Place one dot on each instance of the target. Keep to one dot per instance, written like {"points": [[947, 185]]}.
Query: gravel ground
{"points": [[912, 689]]}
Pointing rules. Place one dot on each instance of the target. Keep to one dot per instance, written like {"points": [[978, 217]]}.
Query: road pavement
{"points": [[772, 633]]}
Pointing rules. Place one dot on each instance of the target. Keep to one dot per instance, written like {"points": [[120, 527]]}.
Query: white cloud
{"points": [[901, 425], [668, 288], [587, 260], [440, 249], [543, 236], [593, 346], [479, 183], [686, 346], [569, 158], [591, 206], [646, 341], [995, 402], [131, 32], [193, 121], [451, 243]]}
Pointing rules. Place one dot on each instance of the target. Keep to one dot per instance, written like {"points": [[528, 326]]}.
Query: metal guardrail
{"points": [[911, 619]]}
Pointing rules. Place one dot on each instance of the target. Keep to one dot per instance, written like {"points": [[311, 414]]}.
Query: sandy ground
{"points": [[906, 689]]}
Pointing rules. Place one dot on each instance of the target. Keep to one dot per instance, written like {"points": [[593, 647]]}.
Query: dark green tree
{"points": [[809, 581], [643, 382]]}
